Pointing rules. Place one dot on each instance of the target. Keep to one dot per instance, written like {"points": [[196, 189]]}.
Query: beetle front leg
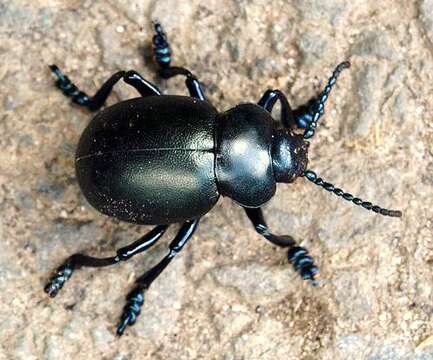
{"points": [[268, 101], [135, 298], [297, 256], [76, 261]]}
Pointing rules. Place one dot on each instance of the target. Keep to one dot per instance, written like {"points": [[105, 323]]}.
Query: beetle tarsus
{"points": [[297, 256], [162, 54], [68, 88], [135, 298], [134, 302], [76, 261], [62, 274], [303, 263], [161, 47]]}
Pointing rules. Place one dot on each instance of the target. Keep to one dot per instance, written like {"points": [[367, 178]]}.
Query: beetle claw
{"points": [[131, 310], [122, 325], [62, 274]]}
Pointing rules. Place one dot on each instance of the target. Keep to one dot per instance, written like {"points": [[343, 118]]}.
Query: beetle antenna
{"points": [[318, 105], [312, 176]]}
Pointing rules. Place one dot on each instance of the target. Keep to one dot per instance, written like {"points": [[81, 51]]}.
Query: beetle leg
{"points": [[143, 86], [256, 217], [268, 101], [76, 261], [162, 54], [297, 256], [191, 82], [81, 98], [94, 103], [135, 298], [161, 47]]}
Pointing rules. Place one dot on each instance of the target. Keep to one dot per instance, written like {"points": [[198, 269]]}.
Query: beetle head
{"points": [[289, 155], [290, 160], [289, 151]]}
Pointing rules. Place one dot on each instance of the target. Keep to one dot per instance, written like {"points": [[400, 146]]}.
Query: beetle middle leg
{"points": [[95, 102], [135, 298], [297, 256], [162, 54], [76, 261], [305, 116]]}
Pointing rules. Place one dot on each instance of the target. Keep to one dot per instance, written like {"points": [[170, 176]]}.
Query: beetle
{"points": [[163, 159]]}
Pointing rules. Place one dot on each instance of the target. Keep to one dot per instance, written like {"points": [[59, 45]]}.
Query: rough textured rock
{"points": [[230, 295]]}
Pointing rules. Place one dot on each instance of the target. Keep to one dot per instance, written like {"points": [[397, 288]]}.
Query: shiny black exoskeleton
{"points": [[162, 159]]}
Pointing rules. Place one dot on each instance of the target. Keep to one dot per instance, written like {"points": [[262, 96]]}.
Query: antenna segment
{"points": [[312, 176]]}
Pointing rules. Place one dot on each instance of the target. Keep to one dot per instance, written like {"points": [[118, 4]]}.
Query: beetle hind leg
{"points": [[162, 55], [64, 272], [95, 102], [161, 47], [76, 261], [79, 97], [135, 298], [298, 256]]}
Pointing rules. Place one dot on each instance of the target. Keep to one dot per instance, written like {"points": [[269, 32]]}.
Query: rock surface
{"points": [[230, 295]]}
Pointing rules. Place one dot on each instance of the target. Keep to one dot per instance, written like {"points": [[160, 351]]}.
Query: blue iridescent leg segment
{"points": [[297, 256], [162, 55], [135, 298], [77, 261], [95, 102]]}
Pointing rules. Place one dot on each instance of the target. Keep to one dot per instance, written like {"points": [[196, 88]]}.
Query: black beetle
{"points": [[162, 159]]}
